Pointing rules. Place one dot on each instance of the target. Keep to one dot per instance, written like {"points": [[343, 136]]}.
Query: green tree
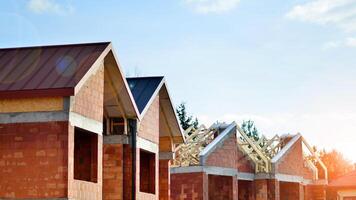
{"points": [[250, 129], [185, 120]]}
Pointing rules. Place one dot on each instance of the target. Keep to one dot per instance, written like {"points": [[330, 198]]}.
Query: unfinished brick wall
{"points": [[189, 186], [127, 172], [78, 189], [221, 187], [318, 192], [246, 190], [243, 163], [89, 100], [113, 172], [149, 125], [33, 158], [292, 163], [292, 191], [225, 155], [164, 180]]}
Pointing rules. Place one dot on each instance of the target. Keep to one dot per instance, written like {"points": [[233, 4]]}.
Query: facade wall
{"points": [[90, 99], [164, 180], [84, 190], [149, 125], [246, 190], [33, 158], [113, 172], [88, 102], [292, 163], [31, 104], [243, 163], [189, 186], [225, 155], [222, 187], [291, 191], [317, 192]]}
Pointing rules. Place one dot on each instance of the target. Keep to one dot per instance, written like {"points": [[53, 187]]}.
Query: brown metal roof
{"points": [[45, 70]]}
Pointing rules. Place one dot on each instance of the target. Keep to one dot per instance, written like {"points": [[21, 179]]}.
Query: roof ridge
{"points": [[55, 45]]}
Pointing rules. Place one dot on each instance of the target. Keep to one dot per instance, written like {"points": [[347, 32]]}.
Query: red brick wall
{"points": [[33, 158], [273, 189], [317, 192], [220, 187], [243, 163], [261, 189], [164, 180], [127, 171], [246, 190], [289, 191], [189, 186], [292, 163], [89, 100], [149, 125], [225, 155], [113, 172]]}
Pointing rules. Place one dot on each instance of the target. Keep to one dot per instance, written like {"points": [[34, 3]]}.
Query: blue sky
{"points": [[288, 65]]}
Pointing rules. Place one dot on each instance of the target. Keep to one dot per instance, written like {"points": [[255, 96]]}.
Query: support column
{"points": [[164, 180], [261, 189], [235, 188], [273, 189]]}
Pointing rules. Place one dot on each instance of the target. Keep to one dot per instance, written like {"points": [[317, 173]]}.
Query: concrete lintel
{"points": [[221, 171], [166, 155], [116, 139], [217, 142], [283, 177], [246, 176], [147, 145], [83, 122], [26, 117]]}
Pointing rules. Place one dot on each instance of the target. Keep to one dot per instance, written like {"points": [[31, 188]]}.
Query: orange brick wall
{"points": [[246, 190], [292, 163], [221, 187], [113, 172], [289, 190], [89, 100], [149, 125], [243, 163], [33, 158], [225, 155], [164, 180], [189, 186], [83, 190]]}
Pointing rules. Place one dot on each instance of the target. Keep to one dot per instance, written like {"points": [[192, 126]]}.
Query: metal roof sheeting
{"points": [[142, 89], [45, 68]]}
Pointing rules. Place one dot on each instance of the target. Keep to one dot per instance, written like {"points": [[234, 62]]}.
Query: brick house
{"points": [[215, 177], [224, 171], [70, 127], [157, 132]]}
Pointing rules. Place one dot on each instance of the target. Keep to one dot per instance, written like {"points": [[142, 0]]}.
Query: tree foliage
{"points": [[335, 162], [250, 129], [185, 120]]}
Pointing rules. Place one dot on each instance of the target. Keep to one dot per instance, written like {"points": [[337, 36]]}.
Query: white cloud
{"points": [[212, 6], [48, 6], [340, 13], [348, 42]]}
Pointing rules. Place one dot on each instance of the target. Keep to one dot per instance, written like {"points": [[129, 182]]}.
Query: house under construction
{"points": [[222, 162]]}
